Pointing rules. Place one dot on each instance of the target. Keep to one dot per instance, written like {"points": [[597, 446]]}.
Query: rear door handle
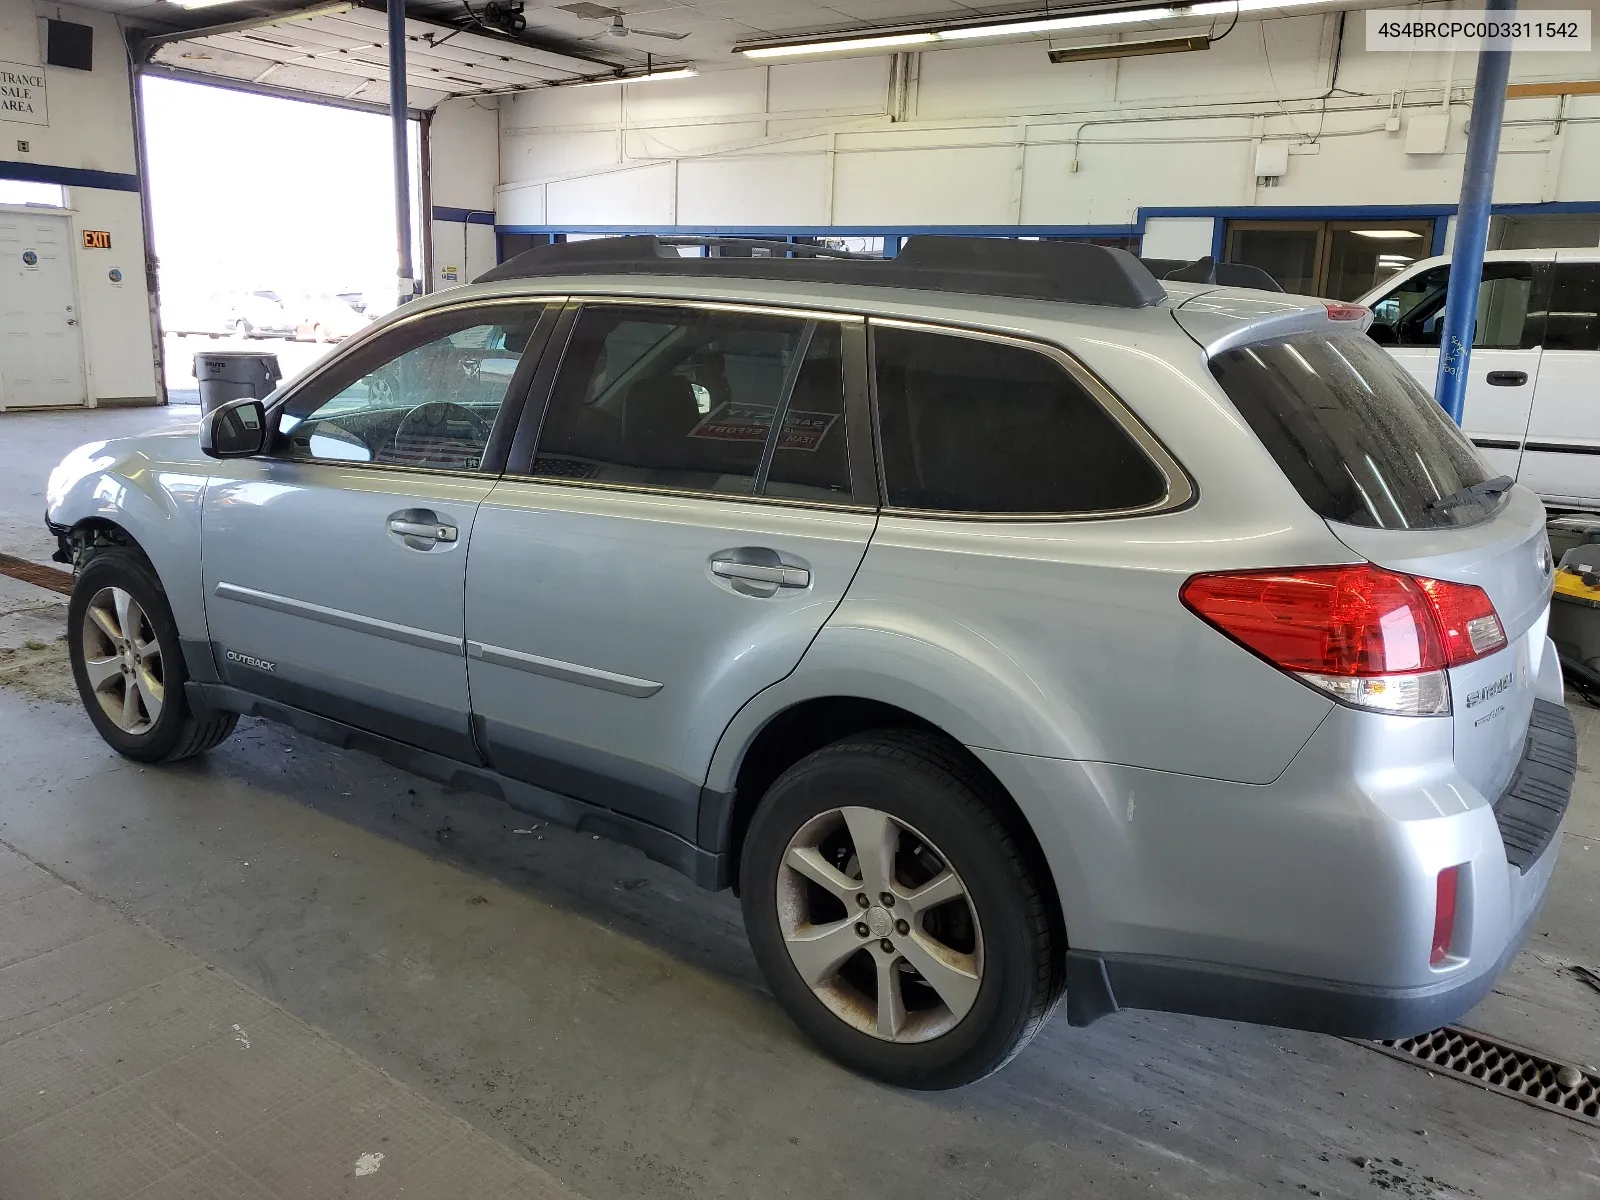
{"points": [[789, 577], [1507, 378], [419, 529]]}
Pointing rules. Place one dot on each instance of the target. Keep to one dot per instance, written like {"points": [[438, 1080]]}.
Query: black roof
{"points": [[1066, 271]]}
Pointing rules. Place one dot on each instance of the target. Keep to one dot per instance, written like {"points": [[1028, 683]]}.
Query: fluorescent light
{"points": [[202, 3], [1177, 45], [886, 42], [1028, 26], [1127, 16], [650, 77], [1387, 235]]}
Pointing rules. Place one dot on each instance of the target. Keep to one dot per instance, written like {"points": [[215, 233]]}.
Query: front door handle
{"points": [[788, 577], [428, 532], [1507, 378]]}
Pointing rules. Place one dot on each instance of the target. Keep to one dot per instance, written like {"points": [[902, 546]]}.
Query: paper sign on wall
{"points": [[22, 94], [30, 260]]}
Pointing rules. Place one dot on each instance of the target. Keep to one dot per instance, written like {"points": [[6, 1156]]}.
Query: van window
{"points": [[1574, 319], [1359, 439], [974, 426], [1413, 314]]}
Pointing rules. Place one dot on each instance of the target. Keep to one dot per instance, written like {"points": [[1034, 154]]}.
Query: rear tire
{"points": [[128, 663], [969, 970]]}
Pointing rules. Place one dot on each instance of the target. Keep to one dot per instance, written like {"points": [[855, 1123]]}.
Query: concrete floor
{"points": [[602, 1019]]}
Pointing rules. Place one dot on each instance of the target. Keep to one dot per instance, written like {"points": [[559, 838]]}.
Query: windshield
{"points": [[1359, 439]]}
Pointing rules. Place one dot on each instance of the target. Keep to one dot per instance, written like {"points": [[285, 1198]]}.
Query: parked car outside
{"points": [[259, 314], [1535, 367], [326, 319], [1002, 624]]}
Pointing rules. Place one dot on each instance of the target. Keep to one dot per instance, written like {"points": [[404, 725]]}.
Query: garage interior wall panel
{"points": [[769, 190], [464, 169], [90, 128], [992, 135], [636, 196]]}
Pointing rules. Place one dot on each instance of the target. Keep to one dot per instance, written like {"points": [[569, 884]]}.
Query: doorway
{"points": [[1341, 260], [41, 348]]}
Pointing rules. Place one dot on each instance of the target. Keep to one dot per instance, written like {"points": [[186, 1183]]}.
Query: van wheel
{"points": [[129, 666], [892, 914]]}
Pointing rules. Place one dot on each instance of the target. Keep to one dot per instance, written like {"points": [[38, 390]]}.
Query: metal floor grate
{"points": [[1503, 1068]]}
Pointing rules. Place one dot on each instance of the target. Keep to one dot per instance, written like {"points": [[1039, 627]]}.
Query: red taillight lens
{"points": [[1444, 915], [1467, 621], [1348, 621]]}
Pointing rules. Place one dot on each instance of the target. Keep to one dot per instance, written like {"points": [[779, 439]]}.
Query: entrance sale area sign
{"points": [[22, 94]]}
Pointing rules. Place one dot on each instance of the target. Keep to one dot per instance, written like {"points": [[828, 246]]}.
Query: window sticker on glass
{"points": [[733, 422]]}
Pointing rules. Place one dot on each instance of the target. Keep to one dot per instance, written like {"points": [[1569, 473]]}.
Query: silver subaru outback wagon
{"points": [[1004, 624]]}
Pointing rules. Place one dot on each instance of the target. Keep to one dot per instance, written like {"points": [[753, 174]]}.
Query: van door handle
{"points": [[789, 577], [1507, 378]]}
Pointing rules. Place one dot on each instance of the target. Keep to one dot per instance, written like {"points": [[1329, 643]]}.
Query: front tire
{"points": [[128, 664], [894, 916]]}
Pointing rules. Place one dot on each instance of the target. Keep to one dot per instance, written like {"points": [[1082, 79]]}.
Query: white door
{"points": [[1504, 369], [41, 358], [1561, 460]]}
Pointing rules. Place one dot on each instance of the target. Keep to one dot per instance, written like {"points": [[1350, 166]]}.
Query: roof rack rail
{"points": [[1209, 270], [1075, 272]]}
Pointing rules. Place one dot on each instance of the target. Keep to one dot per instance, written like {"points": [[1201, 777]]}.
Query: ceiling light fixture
{"points": [[1017, 27], [1387, 235], [647, 77], [889, 41], [202, 3], [1177, 45]]}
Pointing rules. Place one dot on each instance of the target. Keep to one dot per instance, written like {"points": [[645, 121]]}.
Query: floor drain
{"points": [[1499, 1067]]}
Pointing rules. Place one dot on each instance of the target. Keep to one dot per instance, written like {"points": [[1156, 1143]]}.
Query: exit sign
{"points": [[96, 239]]}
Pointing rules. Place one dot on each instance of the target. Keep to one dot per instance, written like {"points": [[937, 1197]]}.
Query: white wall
{"points": [[91, 128], [999, 136], [463, 169]]}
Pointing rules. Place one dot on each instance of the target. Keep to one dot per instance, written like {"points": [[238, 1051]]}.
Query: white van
{"points": [[1533, 395]]}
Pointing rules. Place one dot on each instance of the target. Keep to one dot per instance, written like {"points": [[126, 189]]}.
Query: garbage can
{"points": [[229, 374]]}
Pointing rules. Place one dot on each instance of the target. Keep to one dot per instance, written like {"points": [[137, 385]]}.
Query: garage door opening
{"points": [[273, 222]]}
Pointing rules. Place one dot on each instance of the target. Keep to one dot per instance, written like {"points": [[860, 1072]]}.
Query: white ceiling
{"points": [[344, 56]]}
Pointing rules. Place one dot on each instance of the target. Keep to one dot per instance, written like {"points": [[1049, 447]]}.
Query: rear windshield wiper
{"points": [[1473, 493]]}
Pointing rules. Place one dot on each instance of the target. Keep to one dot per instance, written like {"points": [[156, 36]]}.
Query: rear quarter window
{"points": [[972, 425], [1359, 439]]}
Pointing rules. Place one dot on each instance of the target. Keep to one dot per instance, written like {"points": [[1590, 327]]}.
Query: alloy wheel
{"points": [[879, 925], [122, 660]]}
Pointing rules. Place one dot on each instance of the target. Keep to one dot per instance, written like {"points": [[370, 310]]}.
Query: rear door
{"points": [[1561, 460], [1505, 362], [699, 500], [334, 566]]}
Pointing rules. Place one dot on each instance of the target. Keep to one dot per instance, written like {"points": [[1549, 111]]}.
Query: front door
{"points": [[689, 521], [1561, 460], [41, 352], [1505, 363], [334, 566]]}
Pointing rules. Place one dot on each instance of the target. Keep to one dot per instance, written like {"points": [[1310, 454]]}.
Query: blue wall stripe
{"points": [[472, 216], [111, 181]]}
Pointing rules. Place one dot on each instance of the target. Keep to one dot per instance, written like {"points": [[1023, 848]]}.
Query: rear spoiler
{"points": [[1209, 270]]}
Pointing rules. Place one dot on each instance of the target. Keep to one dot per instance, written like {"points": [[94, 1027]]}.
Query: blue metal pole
{"points": [[402, 147], [1472, 221]]}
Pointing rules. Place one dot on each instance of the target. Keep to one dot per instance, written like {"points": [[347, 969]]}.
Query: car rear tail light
{"points": [[1444, 915], [1368, 637]]}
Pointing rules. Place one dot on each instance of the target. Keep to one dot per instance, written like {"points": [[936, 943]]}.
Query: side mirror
{"points": [[236, 429]]}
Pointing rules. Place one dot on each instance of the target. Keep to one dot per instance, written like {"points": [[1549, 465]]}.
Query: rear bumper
{"points": [[1101, 984], [1308, 902]]}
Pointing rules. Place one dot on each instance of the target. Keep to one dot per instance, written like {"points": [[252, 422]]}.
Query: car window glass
{"points": [[686, 399], [971, 425], [431, 405], [1353, 431], [1573, 322], [1413, 313]]}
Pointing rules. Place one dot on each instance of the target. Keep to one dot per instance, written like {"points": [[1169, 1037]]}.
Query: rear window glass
{"points": [[1356, 435]]}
